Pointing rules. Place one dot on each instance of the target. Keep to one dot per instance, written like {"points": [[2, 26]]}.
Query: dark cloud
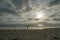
{"points": [[21, 3], [6, 6], [18, 3], [56, 19], [3, 10], [55, 2], [28, 9], [53, 15], [50, 24], [29, 18]]}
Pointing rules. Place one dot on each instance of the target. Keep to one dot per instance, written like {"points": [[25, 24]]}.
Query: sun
{"points": [[39, 15]]}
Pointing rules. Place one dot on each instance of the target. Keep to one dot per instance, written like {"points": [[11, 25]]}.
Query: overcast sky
{"points": [[20, 11]]}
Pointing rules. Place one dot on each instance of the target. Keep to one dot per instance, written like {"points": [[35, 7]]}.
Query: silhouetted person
{"points": [[27, 26]]}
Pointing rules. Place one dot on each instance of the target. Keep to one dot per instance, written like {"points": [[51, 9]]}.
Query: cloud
{"points": [[55, 2], [56, 19], [6, 7], [50, 24], [22, 3], [3, 10], [16, 5]]}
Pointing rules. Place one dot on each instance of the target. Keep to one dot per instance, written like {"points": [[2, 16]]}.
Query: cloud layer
{"points": [[23, 11], [55, 2]]}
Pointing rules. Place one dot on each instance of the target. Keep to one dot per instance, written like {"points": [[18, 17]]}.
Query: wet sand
{"points": [[30, 34]]}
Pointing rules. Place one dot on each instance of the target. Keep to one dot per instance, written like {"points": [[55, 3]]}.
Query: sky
{"points": [[28, 11]]}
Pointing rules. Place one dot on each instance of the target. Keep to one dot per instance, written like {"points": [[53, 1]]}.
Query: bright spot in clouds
{"points": [[39, 15]]}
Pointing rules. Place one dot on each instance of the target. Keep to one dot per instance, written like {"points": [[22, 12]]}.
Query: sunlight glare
{"points": [[39, 15]]}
